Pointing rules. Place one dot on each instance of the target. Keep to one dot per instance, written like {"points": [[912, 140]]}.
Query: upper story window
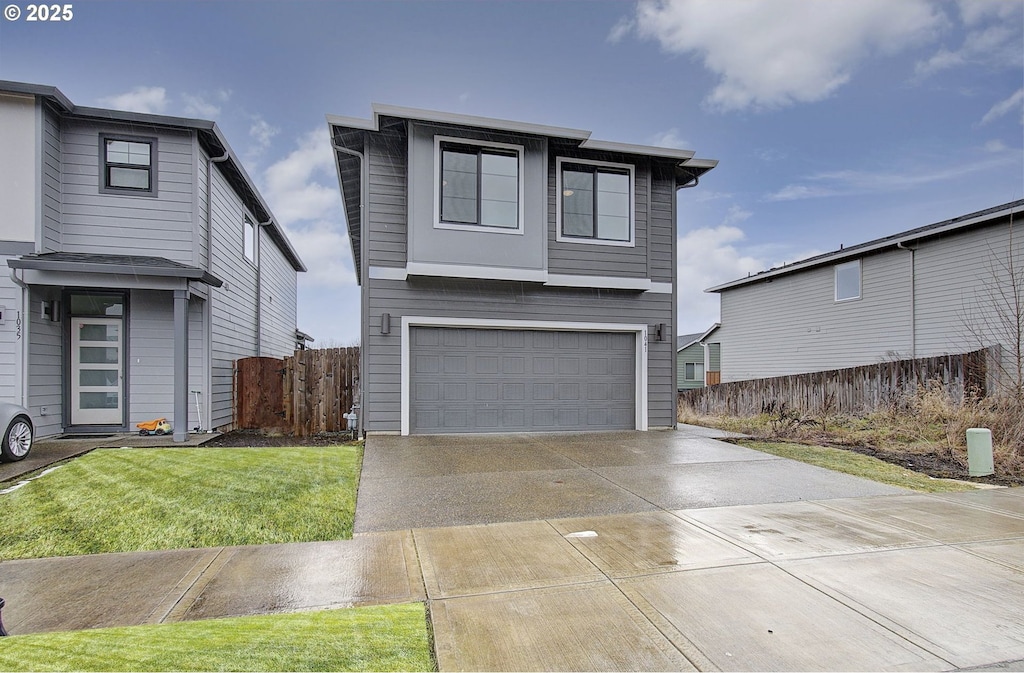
{"points": [[249, 240], [848, 281], [595, 202], [480, 185], [128, 165]]}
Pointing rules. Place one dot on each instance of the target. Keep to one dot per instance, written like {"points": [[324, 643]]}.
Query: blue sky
{"points": [[834, 122]]}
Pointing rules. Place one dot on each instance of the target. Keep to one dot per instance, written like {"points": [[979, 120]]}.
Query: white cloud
{"points": [[302, 191], [621, 29], [262, 132], [775, 54], [1003, 107], [195, 106], [993, 37], [669, 138], [995, 146], [148, 99], [851, 182], [711, 256]]}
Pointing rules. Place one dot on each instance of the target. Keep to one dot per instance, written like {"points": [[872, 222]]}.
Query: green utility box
{"points": [[979, 452]]}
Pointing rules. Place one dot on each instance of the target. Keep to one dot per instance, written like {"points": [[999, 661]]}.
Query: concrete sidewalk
{"points": [[907, 582], [605, 569]]}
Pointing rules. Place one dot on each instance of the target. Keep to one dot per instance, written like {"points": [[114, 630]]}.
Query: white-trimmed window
{"points": [[128, 165], [249, 240], [848, 281], [479, 185], [595, 202], [693, 371]]}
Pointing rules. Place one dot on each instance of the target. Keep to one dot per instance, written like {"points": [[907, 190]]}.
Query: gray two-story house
{"points": [[515, 277], [948, 287], [139, 262]]}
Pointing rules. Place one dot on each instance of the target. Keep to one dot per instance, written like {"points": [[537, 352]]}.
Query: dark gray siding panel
{"points": [[508, 301], [599, 260], [51, 206], [388, 218], [662, 228]]}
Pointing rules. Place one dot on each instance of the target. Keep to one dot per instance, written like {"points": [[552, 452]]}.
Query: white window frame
{"points": [[631, 243], [250, 232], [520, 151], [860, 280]]}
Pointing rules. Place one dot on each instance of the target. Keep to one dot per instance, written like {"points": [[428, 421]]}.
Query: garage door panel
{"points": [[477, 380]]}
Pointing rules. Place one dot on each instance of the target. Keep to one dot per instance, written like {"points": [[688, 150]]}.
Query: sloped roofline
{"points": [[688, 169], [210, 137], [699, 337], [854, 252]]}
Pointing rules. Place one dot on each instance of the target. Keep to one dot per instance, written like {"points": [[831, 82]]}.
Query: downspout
{"points": [[258, 253], [25, 318], [208, 381], [913, 298], [363, 271]]}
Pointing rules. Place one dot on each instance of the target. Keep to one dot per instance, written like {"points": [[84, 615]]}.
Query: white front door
{"points": [[97, 371]]}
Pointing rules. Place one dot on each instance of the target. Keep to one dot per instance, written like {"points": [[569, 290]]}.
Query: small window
{"points": [[694, 371], [128, 165], [479, 186], [596, 202], [848, 281], [249, 241]]}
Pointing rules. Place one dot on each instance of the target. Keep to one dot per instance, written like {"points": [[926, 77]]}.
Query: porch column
{"points": [[181, 365]]}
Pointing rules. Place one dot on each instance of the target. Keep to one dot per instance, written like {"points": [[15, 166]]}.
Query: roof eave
{"points": [[873, 246]]}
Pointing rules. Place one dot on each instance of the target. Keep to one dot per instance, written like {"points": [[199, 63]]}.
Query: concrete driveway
{"points": [[675, 551], [452, 480], [617, 552]]}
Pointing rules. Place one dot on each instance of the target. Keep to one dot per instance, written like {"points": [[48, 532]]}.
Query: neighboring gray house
{"points": [[139, 262], [697, 361], [919, 293], [515, 277]]}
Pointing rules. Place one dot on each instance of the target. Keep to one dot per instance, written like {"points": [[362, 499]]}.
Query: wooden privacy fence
{"points": [[303, 394], [854, 391]]}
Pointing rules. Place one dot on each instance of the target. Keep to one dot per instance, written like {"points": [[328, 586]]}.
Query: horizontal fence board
{"points": [[852, 391]]}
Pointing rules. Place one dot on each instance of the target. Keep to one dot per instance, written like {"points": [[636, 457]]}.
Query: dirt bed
{"points": [[928, 463], [257, 438]]}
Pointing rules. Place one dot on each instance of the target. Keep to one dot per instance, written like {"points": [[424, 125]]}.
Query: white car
{"points": [[17, 440]]}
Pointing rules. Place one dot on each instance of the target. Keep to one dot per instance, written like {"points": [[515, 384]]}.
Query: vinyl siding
{"points": [[10, 343], [277, 300], [954, 277], [233, 306], [510, 301], [51, 205], [714, 357], [605, 260], [150, 364], [793, 324], [127, 224], [690, 354], [388, 182], [662, 236], [45, 366]]}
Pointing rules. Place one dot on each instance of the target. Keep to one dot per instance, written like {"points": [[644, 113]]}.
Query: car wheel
{"points": [[17, 440]]}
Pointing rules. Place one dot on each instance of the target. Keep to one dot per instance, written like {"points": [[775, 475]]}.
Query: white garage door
{"points": [[484, 380]]}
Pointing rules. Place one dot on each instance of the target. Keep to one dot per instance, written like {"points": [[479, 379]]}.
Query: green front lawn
{"points": [[116, 500], [380, 638], [858, 465]]}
